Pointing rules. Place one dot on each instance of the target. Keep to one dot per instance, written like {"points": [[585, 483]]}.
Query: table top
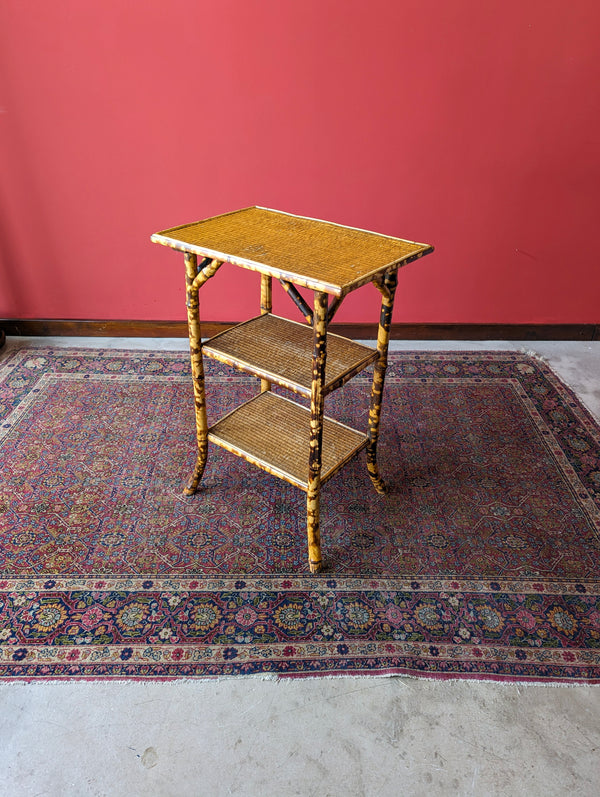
{"points": [[315, 254]]}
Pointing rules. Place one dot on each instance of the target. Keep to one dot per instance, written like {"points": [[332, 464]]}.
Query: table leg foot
{"points": [[314, 535], [378, 483], [192, 484]]}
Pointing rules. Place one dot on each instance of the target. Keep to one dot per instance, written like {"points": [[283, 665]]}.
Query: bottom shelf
{"points": [[273, 433]]}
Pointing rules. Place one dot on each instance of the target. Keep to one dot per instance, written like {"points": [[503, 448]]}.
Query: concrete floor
{"points": [[315, 736]]}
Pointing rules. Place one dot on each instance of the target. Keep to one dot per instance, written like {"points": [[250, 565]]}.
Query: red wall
{"points": [[471, 125]]}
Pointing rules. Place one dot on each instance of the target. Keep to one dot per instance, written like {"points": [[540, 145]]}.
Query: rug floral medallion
{"points": [[481, 562]]}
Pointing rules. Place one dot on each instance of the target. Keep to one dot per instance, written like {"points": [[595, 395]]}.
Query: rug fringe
{"points": [[535, 355], [396, 678]]}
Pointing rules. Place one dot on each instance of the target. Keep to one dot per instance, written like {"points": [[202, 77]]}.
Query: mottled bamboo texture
{"points": [[296, 297], [334, 307], [192, 278], [387, 288], [266, 306], [208, 268], [317, 401]]}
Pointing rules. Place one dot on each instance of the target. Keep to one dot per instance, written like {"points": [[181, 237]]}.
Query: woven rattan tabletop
{"points": [[308, 252]]}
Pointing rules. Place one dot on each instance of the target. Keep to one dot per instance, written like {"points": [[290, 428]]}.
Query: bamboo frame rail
{"points": [[336, 260]]}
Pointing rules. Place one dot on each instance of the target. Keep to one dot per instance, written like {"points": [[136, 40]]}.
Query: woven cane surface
{"points": [[318, 254], [275, 431], [280, 348]]}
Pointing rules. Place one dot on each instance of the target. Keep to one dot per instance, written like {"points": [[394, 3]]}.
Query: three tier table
{"points": [[301, 446]]}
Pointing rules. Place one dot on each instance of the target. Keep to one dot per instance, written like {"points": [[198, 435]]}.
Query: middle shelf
{"points": [[273, 432], [280, 350]]}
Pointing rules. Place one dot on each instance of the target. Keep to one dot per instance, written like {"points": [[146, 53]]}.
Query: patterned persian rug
{"points": [[482, 562]]}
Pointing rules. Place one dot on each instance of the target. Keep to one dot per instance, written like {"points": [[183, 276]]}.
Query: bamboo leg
{"points": [[387, 288], [266, 305], [317, 401], [191, 269]]}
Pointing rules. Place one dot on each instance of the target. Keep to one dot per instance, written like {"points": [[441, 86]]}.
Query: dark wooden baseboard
{"points": [[178, 329]]}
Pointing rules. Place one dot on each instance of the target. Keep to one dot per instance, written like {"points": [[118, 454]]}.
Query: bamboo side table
{"points": [[305, 448]]}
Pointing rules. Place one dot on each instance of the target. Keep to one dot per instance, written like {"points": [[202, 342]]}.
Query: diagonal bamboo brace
{"points": [[296, 297], [202, 276], [380, 284], [334, 307]]}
